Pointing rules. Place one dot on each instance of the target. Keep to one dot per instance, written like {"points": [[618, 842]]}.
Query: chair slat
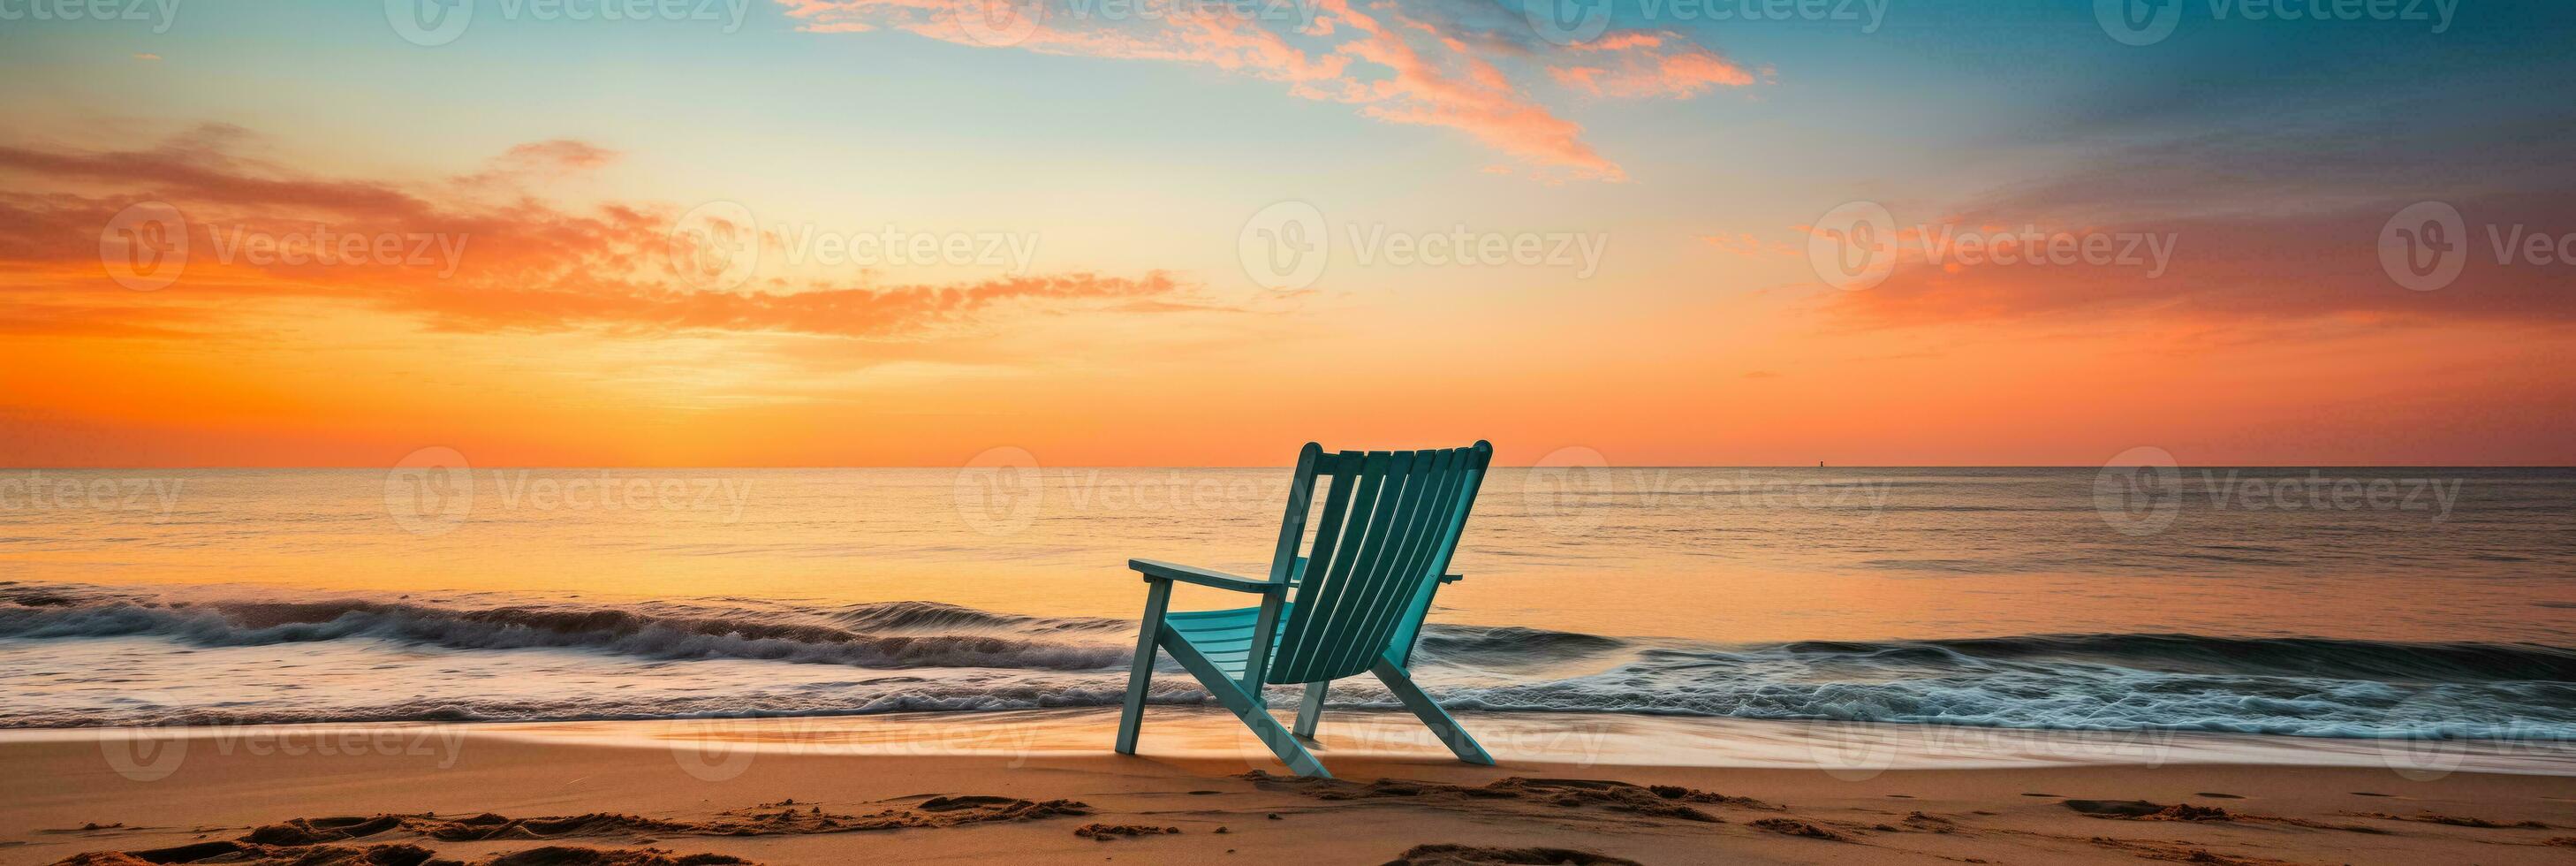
{"points": [[1398, 530], [1339, 621], [1405, 576], [1474, 461], [1366, 604], [1301, 499], [1397, 614], [1479, 458], [1356, 479]]}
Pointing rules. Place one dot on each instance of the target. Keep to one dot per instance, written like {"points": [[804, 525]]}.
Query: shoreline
{"points": [[710, 789], [1566, 739]]}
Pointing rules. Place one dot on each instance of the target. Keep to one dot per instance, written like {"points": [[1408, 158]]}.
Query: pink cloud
{"points": [[460, 264], [540, 160], [1395, 66], [1641, 65], [563, 153]]}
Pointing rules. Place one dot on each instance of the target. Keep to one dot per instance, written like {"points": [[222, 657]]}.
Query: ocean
{"points": [[2331, 602]]}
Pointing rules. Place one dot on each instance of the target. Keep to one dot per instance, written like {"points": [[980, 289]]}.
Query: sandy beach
{"points": [[826, 791]]}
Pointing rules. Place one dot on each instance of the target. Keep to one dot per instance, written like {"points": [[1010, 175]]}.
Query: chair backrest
{"points": [[1389, 524]]}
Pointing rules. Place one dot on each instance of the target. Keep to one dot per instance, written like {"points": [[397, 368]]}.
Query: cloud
{"points": [[542, 160], [2273, 218], [147, 57], [197, 165], [2226, 269], [447, 259], [1427, 66], [876, 311], [1641, 65]]}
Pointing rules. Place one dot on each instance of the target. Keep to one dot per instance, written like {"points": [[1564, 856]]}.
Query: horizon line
{"points": [[331, 468]]}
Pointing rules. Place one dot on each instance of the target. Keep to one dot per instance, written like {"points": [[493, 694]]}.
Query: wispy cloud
{"points": [[2265, 228], [1408, 67], [457, 263], [1643, 65], [2223, 269]]}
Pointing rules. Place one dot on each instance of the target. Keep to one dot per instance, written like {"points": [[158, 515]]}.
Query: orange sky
{"points": [[557, 283], [562, 337]]}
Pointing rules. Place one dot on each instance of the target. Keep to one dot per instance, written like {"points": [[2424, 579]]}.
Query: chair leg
{"points": [[1312, 709], [1237, 700], [1282, 744], [1442, 726], [1141, 675]]}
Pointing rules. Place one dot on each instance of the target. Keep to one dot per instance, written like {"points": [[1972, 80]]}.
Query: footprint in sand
{"points": [[91, 827], [1464, 855], [326, 841], [1795, 827], [2457, 821], [2146, 811]]}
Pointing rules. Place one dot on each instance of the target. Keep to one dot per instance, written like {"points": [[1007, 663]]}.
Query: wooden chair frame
{"points": [[1388, 527]]}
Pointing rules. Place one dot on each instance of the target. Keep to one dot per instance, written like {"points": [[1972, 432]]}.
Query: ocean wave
{"points": [[2289, 656], [2072, 700], [892, 635], [638, 660], [2349, 710]]}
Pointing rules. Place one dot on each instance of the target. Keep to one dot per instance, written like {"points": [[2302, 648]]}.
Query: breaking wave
{"points": [[728, 658]]}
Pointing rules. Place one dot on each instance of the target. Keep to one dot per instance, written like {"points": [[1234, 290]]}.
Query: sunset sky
{"points": [[1097, 187]]}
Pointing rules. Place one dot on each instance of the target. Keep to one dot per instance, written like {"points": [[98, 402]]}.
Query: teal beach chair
{"points": [[1382, 545]]}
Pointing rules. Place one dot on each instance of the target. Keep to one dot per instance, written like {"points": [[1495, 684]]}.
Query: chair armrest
{"points": [[1158, 570]]}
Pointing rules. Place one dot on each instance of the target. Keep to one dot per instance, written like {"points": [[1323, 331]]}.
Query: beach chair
{"points": [[1381, 550]]}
